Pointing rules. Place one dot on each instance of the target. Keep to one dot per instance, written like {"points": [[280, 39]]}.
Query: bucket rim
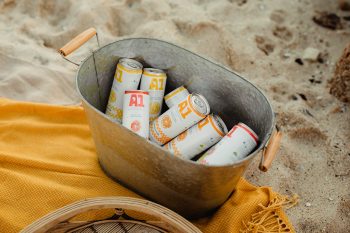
{"points": [[248, 158]]}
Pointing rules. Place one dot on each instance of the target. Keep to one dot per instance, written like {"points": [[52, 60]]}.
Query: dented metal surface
{"points": [[187, 187]]}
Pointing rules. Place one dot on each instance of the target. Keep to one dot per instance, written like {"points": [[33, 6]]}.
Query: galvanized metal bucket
{"points": [[187, 187]]}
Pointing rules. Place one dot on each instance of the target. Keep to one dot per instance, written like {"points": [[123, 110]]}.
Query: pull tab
{"points": [[270, 151]]}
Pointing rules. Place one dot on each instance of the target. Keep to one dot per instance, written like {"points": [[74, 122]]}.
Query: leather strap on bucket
{"points": [[270, 151]]}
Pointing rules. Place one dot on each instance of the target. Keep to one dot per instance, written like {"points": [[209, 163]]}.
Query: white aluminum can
{"points": [[179, 118], [237, 144], [154, 81], [176, 96], [136, 112], [198, 138], [127, 77]]}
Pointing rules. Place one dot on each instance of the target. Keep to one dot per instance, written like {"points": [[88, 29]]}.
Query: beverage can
{"points": [[176, 96], [198, 138], [179, 118], [136, 112], [127, 77], [236, 145], [154, 81]]}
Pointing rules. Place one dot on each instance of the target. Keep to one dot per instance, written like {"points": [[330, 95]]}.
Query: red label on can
{"points": [[249, 132], [231, 131], [136, 100]]}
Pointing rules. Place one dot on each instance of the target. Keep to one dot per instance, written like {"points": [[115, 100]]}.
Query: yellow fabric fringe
{"points": [[48, 160], [268, 219]]}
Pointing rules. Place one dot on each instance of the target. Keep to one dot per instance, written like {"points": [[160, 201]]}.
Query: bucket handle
{"points": [[270, 151], [76, 42]]}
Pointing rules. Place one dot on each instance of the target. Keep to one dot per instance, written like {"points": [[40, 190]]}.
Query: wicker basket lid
{"points": [[112, 214]]}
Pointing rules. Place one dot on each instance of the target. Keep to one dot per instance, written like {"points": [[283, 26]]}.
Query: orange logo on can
{"points": [[182, 136], [203, 123], [166, 121], [184, 109]]}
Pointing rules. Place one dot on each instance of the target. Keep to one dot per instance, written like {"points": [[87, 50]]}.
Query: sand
{"points": [[259, 39]]}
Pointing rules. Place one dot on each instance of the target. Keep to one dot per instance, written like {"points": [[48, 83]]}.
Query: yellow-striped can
{"points": [[127, 77], [198, 138], [176, 96], [154, 81]]}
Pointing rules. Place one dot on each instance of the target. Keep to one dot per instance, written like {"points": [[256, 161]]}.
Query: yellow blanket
{"points": [[48, 160]]}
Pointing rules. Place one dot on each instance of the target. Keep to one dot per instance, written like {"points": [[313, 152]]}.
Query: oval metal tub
{"points": [[187, 187]]}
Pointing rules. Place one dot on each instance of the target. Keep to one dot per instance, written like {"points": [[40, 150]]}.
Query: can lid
{"points": [[130, 63], [249, 131], [136, 91], [219, 123], [154, 72], [200, 103], [175, 92]]}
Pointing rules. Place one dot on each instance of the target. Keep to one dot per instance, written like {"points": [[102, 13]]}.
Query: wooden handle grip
{"points": [[270, 152], [77, 41]]}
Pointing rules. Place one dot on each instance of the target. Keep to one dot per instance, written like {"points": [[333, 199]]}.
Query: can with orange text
{"points": [[136, 112], [127, 77], [179, 118], [198, 138], [176, 96], [237, 144], [154, 81]]}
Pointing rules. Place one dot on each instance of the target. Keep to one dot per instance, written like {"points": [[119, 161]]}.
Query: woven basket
{"points": [[112, 214]]}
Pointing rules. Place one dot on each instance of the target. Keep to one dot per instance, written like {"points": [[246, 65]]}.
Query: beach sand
{"points": [[259, 39]]}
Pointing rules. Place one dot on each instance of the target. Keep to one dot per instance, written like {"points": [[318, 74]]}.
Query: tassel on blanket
{"points": [[268, 219]]}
